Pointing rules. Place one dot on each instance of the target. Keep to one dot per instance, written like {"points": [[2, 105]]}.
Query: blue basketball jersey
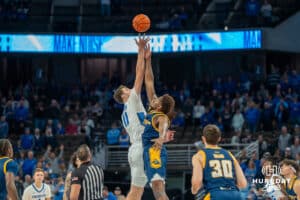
{"points": [[6, 165], [289, 188], [151, 129], [218, 172]]}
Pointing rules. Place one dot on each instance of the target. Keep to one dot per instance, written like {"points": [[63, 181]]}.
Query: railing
{"points": [[179, 155]]}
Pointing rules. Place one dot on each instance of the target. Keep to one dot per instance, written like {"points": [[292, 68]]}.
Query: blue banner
{"points": [[124, 44]]}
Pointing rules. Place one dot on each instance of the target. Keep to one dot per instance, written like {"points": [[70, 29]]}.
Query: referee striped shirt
{"points": [[91, 179]]}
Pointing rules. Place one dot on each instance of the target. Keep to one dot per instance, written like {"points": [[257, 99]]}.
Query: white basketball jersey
{"points": [[133, 108], [34, 193], [273, 190]]}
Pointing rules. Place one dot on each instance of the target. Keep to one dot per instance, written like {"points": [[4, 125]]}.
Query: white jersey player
{"points": [[38, 190], [272, 187], [133, 108]]}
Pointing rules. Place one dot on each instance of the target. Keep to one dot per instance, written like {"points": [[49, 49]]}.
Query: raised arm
{"points": [[163, 125], [140, 64], [149, 78]]}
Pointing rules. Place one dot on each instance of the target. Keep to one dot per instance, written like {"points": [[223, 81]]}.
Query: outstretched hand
{"points": [[148, 52], [142, 41]]}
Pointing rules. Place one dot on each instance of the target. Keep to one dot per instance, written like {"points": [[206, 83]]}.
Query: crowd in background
{"points": [[247, 108], [15, 10]]}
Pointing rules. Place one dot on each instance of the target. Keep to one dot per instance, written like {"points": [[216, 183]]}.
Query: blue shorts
{"points": [[220, 194], [155, 162]]}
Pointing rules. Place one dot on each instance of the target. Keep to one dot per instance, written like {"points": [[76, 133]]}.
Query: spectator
{"points": [[179, 119], [227, 118], [238, 121], [294, 114], [39, 141], [21, 112], [59, 189], [250, 171], [267, 117], [252, 117], [29, 164], [236, 138], [124, 139], [188, 111], [4, 128], [198, 111], [266, 12], [49, 138], [53, 160], [118, 193], [295, 148], [273, 79], [113, 134], [53, 112], [71, 128], [229, 86], [219, 124], [288, 154], [207, 118], [107, 194], [262, 145], [60, 129], [282, 115], [284, 139], [27, 181], [27, 140], [39, 116]]}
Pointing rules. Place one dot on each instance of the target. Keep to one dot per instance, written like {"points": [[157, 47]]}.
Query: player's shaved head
{"points": [[212, 134]]}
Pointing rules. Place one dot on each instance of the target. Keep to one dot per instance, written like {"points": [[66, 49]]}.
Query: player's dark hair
{"points": [[5, 146], [118, 94], [212, 134], [83, 152], [290, 163], [167, 104]]}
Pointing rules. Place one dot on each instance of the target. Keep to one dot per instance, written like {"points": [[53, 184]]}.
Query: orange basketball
{"points": [[141, 23]]}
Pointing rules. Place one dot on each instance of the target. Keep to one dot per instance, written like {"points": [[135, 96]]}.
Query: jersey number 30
{"points": [[221, 168]]}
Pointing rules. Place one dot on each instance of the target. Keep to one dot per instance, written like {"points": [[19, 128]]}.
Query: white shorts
{"points": [[136, 162]]}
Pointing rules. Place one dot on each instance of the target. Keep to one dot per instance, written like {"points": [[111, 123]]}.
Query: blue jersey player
{"points": [[155, 133], [216, 169], [8, 171], [289, 170]]}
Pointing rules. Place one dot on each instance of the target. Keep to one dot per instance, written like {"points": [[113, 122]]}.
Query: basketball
{"points": [[141, 23]]}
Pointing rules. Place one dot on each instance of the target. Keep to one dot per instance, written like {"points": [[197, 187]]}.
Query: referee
{"points": [[87, 180]]}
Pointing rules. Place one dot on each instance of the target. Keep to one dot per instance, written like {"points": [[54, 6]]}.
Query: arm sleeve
{"points": [[76, 177], [12, 167]]}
